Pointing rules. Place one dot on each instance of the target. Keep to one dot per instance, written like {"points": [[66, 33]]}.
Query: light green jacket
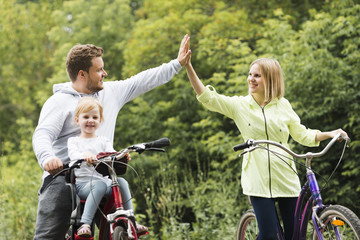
{"points": [[263, 174]]}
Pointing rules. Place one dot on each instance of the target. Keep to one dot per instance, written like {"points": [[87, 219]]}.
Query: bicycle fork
{"points": [[120, 214], [318, 205]]}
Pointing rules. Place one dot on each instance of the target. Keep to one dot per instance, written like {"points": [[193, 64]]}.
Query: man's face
{"points": [[95, 76]]}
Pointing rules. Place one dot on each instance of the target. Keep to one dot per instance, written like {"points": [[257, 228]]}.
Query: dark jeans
{"points": [[54, 210], [266, 216]]}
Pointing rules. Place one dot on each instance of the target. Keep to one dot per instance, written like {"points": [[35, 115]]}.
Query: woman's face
{"points": [[255, 81]]}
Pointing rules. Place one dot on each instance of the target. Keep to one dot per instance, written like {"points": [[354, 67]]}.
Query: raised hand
{"points": [[184, 55]]}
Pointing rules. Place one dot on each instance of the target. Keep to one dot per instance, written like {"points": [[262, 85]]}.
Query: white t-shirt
{"points": [[78, 146]]}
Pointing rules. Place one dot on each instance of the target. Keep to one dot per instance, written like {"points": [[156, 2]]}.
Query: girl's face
{"points": [[89, 122], [256, 82]]}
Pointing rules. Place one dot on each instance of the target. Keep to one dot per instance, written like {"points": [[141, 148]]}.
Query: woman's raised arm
{"points": [[194, 79]]}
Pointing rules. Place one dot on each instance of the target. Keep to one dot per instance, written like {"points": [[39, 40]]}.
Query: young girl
{"points": [[264, 114], [88, 116]]}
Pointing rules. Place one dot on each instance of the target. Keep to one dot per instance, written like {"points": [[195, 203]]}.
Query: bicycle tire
{"points": [[70, 235], [247, 227], [105, 234], [119, 233], [350, 229]]}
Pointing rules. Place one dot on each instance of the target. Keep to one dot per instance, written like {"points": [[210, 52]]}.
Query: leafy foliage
{"points": [[194, 191]]}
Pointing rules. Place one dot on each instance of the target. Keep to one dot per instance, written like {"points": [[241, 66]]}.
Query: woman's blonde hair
{"points": [[272, 74], [87, 104]]}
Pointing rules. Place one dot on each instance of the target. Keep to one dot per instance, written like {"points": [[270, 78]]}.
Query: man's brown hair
{"points": [[80, 58]]}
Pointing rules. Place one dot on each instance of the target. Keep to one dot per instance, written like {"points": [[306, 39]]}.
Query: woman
{"points": [[264, 114]]}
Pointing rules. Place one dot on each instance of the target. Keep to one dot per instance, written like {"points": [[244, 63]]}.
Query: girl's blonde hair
{"points": [[272, 74], [87, 104]]}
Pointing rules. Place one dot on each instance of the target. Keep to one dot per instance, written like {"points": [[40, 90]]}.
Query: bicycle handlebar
{"points": [[162, 142], [252, 144], [242, 146], [155, 145]]}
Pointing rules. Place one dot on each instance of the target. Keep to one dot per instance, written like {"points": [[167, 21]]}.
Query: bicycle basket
{"points": [[120, 165]]}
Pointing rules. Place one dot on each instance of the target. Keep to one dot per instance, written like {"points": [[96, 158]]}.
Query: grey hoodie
{"points": [[56, 122]]}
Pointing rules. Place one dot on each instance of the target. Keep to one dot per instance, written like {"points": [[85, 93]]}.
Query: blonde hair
{"points": [[87, 104], [273, 78]]}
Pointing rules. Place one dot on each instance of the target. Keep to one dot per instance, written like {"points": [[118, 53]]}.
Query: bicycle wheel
{"points": [[70, 234], [247, 228], [119, 233], [339, 218]]}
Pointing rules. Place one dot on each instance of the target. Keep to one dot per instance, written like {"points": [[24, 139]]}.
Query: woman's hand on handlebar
{"points": [[54, 165], [331, 134], [343, 134]]}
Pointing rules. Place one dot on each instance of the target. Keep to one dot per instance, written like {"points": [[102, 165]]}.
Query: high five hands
{"points": [[184, 51]]}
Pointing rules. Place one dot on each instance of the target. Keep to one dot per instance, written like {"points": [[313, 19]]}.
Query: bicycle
{"points": [[116, 223], [327, 221]]}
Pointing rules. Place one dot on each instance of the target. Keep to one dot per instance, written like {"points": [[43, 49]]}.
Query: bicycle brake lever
{"points": [[250, 149], [155, 149], [347, 140], [243, 153], [137, 147]]}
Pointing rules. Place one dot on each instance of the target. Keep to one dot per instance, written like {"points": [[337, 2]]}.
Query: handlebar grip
{"points": [[162, 142], [241, 146]]}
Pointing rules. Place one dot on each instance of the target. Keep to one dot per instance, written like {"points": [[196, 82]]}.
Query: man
{"points": [[85, 68]]}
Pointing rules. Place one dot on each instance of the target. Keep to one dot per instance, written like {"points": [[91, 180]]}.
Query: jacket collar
{"points": [[253, 103]]}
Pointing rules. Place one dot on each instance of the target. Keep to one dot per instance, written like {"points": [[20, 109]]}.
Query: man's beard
{"points": [[94, 87]]}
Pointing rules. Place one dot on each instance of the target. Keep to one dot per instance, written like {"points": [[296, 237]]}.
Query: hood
{"points": [[65, 88]]}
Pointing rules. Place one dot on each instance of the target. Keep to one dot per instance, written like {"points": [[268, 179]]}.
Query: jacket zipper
{"points": [[267, 138]]}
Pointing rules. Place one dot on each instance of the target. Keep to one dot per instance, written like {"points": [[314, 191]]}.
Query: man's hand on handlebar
{"points": [[53, 166]]}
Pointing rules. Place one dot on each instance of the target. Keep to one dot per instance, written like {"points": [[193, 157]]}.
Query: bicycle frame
{"points": [[314, 203], [115, 213]]}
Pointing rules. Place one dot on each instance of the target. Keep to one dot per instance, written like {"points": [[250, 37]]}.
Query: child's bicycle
{"points": [[328, 221], [116, 223]]}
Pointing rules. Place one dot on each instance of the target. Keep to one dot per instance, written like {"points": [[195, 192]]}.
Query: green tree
{"points": [[224, 40], [24, 56], [192, 192]]}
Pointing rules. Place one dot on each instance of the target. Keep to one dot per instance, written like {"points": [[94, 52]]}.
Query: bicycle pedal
{"points": [[142, 234]]}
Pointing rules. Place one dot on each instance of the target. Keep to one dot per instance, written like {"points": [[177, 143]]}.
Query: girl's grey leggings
{"points": [[99, 190]]}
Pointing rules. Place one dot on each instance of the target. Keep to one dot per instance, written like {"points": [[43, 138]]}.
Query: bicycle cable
{"points": [[110, 168], [279, 155], [337, 165]]}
